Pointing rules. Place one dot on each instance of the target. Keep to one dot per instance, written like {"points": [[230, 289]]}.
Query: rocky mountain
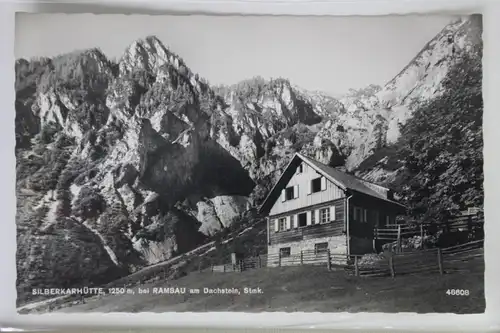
{"points": [[121, 165]]}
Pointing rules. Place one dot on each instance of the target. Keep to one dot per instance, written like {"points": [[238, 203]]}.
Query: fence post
{"points": [[301, 257], [391, 266], [440, 261], [224, 268], [212, 267], [329, 260], [356, 267], [260, 262], [399, 239], [422, 234], [279, 259]]}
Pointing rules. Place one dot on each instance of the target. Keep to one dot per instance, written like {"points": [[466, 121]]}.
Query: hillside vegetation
{"points": [[126, 164]]}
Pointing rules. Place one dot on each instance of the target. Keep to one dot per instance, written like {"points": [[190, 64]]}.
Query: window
{"points": [[284, 252], [302, 219], [291, 192], [324, 215], [376, 218], [360, 214], [316, 185], [320, 248], [300, 168], [281, 224], [313, 217]]}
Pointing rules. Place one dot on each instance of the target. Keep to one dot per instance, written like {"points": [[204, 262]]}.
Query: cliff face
{"points": [[124, 164]]}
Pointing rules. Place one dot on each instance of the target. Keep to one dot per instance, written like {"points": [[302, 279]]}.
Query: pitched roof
{"points": [[341, 179]]}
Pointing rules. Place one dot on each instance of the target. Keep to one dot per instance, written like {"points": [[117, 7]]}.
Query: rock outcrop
{"points": [[130, 163]]}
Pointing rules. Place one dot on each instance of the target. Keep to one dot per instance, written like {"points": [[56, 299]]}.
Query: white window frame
{"points": [[282, 224], [324, 215]]}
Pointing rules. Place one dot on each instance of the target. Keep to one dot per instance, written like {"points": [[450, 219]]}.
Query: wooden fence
{"points": [[471, 225], [461, 258]]}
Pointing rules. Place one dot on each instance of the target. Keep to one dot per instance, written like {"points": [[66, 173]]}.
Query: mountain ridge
{"points": [[140, 160]]}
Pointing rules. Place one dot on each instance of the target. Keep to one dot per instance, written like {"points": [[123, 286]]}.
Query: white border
{"points": [[434, 322]]}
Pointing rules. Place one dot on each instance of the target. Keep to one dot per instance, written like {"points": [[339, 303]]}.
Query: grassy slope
{"points": [[310, 289]]}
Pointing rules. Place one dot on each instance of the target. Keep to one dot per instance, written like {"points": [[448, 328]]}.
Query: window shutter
{"points": [[276, 225], [316, 216], [283, 198], [288, 222], [295, 221], [323, 183], [309, 187], [296, 191], [308, 218], [365, 217], [332, 213], [354, 211]]}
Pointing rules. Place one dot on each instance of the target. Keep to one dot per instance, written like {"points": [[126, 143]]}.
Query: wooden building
{"points": [[306, 210]]}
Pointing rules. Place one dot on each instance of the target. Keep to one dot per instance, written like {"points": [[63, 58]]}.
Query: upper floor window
{"points": [[318, 184], [300, 168], [291, 192]]}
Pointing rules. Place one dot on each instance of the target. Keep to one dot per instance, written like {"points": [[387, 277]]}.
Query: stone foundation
{"points": [[336, 244]]}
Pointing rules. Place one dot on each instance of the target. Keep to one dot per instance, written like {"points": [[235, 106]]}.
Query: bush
{"points": [[48, 133], [89, 204]]}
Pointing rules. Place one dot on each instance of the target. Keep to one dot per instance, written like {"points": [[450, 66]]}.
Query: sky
{"points": [[330, 54]]}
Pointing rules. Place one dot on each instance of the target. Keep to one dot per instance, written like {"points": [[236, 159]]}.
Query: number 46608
{"points": [[458, 292]]}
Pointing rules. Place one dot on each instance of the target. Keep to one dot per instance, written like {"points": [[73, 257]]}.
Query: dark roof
{"points": [[343, 180]]}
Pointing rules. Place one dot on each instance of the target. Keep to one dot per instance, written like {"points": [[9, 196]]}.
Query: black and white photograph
{"points": [[197, 163]]}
